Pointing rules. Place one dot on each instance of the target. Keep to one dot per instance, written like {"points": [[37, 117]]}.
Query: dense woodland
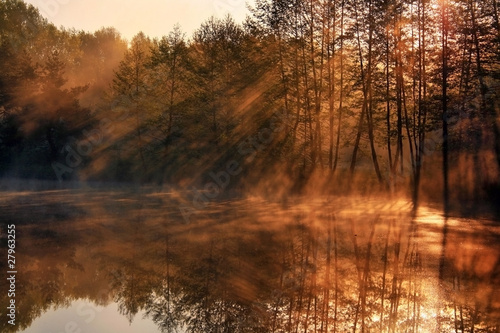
{"points": [[323, 95]]}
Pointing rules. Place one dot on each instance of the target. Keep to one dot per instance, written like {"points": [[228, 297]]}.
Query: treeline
{"points": [[50, 82], [382, 92]]}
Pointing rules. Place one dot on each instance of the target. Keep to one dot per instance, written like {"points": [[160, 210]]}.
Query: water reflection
{"points": [[339, 265]]}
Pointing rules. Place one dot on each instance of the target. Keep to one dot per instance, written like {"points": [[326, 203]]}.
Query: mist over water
{"points": [[251, 264]]}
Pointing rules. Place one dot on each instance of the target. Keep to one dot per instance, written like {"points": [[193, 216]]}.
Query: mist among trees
{"points": [[305, 96]]}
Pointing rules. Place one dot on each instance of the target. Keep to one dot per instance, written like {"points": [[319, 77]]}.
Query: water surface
{"points": [[126, 260]]}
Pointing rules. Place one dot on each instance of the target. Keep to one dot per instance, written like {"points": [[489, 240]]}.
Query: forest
{"points": [[322, 166], [304, 96]]}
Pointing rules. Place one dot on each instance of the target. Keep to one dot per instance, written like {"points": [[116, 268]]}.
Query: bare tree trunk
{"points": [[284, 80], [387, 93], [356, 142], [444, 86], [364, 106], [317, 83], [399, 98], [331, 75], [308, 116], [369, 92], [173, 72], [297, 78], [422, 101], [367, 96], [341, 97], [488, 112]]}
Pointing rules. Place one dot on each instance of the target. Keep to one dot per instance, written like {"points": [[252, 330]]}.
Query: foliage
{"points": [[362, 89]]}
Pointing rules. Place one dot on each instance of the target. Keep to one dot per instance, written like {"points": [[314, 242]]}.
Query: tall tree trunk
{"points": [[422, 100], [367, 95], [365, 100], [171, 102], [399, 94], [317, 83], [488, 112], [444, 100], [341, 96], [444, 55], [387, 90], [369, 92], [356, 142], [308, 111], [331, 75], [284, 80]]}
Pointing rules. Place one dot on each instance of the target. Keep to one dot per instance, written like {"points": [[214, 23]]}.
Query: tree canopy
{"points": [[322, 95]]}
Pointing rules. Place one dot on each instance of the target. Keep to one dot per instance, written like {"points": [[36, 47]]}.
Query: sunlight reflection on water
{"points": [[251, 264]]}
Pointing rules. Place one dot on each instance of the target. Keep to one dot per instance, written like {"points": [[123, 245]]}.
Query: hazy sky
{"points": [[154, 17]]}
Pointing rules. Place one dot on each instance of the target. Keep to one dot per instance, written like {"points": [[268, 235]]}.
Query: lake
{"points": [[141, 260]]}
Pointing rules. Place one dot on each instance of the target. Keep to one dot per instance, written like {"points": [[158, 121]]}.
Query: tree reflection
{"points": [[253, 266]]}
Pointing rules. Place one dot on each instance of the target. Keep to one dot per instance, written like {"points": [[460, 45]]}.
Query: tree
{"points": [[170, 62], [218, 45], [444, 99], [131, 88]]}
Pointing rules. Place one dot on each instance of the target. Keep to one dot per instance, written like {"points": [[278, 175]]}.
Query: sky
{"points": [[153, 17], [86, 316]]}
